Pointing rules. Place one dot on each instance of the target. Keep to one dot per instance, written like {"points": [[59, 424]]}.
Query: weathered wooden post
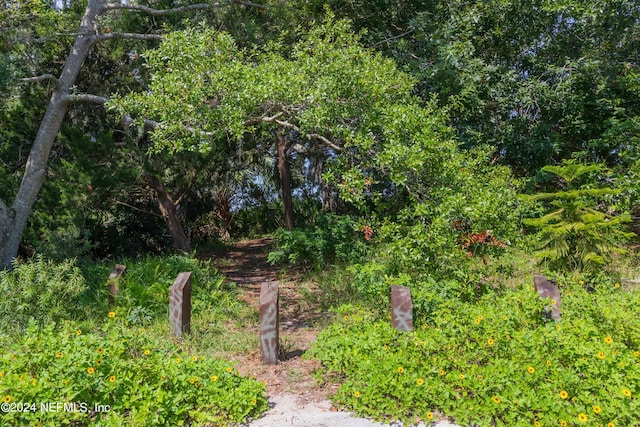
{"points": [[269, 323], [401, 308], [112, 282], [548, 289], [180, 305]]}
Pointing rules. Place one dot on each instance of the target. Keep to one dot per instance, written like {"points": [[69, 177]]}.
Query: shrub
{"points": [[138, 379], [41, 289], [497, 363], [331, 238]]}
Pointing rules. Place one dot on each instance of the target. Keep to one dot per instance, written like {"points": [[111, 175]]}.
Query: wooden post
{"points": [[180, 305], [112, 282], [401, 308], [548, 289], [269, 323]]}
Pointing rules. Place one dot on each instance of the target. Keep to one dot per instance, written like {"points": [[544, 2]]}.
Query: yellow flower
{"points": [[490, 341], [346, 317], [253, 402], [597, 409], [441, 372], [193, 380], [385, 347], [90, 370], [582, 418], [636, 353], [213, 378], [536, 423], [147, 352], [508, 337], [7, 399], [229, 369], [611, 425], [429, 415], [548, 362], [461, 376], [553, 302], [59, 354], [626, 392], [356, 394], [600, 355], [563, 423], [177, 360], [495, 399], [504, 317], [400, 370], [99, 350], [617, 285], [581, 282], [112, 314], [608, 340], [531, 370], [79, 332], [564, 394], [194, 358], [1, 374], [420, 381]]}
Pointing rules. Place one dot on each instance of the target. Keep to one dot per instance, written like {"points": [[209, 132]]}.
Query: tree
{"points": [[575, 236], [205, 91], [92, 30]]}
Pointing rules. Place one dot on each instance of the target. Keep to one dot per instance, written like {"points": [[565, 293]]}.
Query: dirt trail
{"points": [[245, 263]]}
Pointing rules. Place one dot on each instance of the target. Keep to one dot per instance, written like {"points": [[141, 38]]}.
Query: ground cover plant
{"points": [[494, 363], [121, 357]]}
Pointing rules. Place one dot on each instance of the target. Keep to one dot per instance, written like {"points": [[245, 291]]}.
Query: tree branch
{"points": [[41, 78], [159, 12], [130, 36], [118, 202], [288, 125], [86, 97], [335, 147], [387, 40]]}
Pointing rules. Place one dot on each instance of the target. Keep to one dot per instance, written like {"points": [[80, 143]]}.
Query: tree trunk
{"points": [[285, 182], [223, 212], [170, 216], [13, 220]]}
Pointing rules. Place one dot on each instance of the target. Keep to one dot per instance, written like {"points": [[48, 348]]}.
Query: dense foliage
{"points": [[439, 145], [119, 375], [62, 343], [497, 362]]}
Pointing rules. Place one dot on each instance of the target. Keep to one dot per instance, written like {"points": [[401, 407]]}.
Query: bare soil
{"points": [[245, 263]]}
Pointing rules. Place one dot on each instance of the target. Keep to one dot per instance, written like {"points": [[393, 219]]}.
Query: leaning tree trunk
{"points": [[224, 214], [170, 216], [13, 219], [285, 182]]}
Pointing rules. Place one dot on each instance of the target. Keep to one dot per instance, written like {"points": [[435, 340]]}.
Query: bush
{"points": [[497, 363], [39, 289], [138, 379], [331, 238]]}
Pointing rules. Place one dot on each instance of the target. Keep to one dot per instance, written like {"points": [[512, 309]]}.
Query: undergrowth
{"points": [[494, 363]]}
